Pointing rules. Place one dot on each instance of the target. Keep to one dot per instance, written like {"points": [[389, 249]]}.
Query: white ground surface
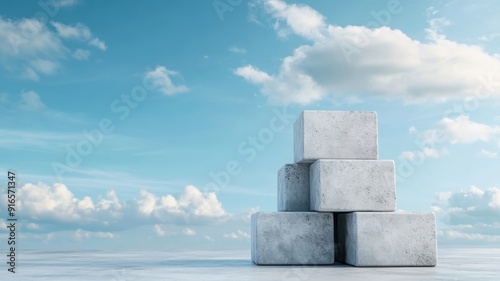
{"points": [[453, 264]]}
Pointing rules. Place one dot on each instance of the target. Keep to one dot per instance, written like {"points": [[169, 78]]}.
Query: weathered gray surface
{"points": [[288, 238], [293, 188], [386, 239], [335, 135], [352, 185]]}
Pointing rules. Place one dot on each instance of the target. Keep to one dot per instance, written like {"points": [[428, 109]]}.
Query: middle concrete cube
{"points": [[352, 185]]}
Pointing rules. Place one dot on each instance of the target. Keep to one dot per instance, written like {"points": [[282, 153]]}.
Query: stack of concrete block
{"points": [[337, 202]]}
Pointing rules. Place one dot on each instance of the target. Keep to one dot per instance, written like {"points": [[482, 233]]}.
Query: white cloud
{"points": [[425, 153], [455, 234], [161, 79], [435, 28], [302, 19], [489, 37], [431, 11], [98, 43], [247, 213], [360, 61], [28, 37], [78, 32], [463, 130], [253, 74], [489, 154], [459, 130], [80, 234], [237, 235], [64, 3], [288, 87], [56, 206], [28, 47], [159, 230], [188, 232], [31, 49], [445, 195], [192, 204], [471, 214], [41, 202], [44, 66], [31, 101], [237, 50], [81, 54]]}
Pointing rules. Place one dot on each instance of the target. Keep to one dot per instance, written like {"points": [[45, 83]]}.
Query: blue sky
{"points": [[163, 124]]}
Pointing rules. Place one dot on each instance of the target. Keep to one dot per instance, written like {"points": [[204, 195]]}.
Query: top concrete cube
{"points": [[335, 135]]}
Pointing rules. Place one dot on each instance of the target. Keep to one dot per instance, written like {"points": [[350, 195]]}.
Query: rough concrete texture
{"points": [[352, 185], [386, 239], [335, 135], [293, 188], [292, 238]]}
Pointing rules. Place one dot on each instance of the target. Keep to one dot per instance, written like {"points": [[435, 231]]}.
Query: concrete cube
{"points": [[293, 188], [335, 135], [292, 238], [352, 185], [386, 239]]}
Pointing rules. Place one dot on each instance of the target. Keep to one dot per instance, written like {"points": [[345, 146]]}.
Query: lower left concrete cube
{"points": [[292, 238]]}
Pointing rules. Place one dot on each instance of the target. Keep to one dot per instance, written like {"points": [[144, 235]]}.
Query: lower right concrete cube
{"points": [[386, 239]]}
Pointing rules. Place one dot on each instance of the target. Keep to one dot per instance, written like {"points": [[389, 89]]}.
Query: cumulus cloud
{"points": [[28, 37], [369, 61], [56, 207], [458, 130], [31, 48], [471, 214], [301, 19], [42, 202], [161, 79], [463, 130]]}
